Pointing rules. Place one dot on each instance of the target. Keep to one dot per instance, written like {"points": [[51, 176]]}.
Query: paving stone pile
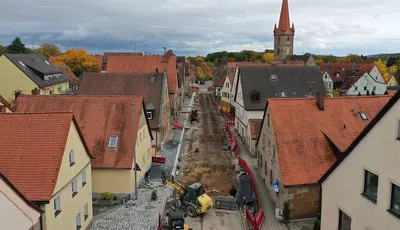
{"points": [[141, 214]]}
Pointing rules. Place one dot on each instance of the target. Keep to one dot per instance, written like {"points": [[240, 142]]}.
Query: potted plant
{"points": [[154, 195], [106, 198], [286, 212]]}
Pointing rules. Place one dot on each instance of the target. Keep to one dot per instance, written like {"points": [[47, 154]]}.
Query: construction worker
{"points": [[146, 177], [233, 191]]}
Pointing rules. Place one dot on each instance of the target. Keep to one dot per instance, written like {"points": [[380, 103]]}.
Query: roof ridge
{"points": [[77, 95], [39, 113]]}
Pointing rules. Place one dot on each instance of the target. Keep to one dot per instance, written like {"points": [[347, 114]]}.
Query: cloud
{"points": [[197, 27]]}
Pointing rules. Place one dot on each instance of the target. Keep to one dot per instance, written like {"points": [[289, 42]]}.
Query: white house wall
{"points": [[377, 75], [378, 152], [366, 83], [226, 89]]}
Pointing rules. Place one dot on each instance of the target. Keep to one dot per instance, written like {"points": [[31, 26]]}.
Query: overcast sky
{"points": [[198, 27]]}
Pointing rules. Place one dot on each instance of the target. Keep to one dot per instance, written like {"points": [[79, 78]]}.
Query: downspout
{"points": [[41, 221]]}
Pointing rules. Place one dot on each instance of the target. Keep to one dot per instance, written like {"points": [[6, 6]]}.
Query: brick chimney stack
{"points": [[35, 91], [320, 101]]}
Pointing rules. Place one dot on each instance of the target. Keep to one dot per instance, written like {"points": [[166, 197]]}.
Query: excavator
{"points": [[193, 197]]}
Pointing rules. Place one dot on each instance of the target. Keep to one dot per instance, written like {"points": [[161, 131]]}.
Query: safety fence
{"points": [[257, 219]]}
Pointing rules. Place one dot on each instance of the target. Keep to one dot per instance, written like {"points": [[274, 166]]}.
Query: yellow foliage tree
{"points": [[268, 57], [318, 62], [47, 49], [393, 69], [381, 66], [79, 61]]}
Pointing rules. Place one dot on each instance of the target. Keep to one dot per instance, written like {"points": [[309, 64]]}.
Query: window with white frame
{"points": [[59, 89], [74, 187], [78, 221], [84, 181], [370, 186], [86, 211], [149, 115], [71, 157], [112, 143], [57, 205]]}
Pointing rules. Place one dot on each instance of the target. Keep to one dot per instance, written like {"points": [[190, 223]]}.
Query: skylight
{"points": [[363, 116], [272, 77], [47, 62], [20, 62], [112, 143], [283, 94]]}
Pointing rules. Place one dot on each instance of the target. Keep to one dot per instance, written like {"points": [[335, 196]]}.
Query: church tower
{"points": [[283, 34]]}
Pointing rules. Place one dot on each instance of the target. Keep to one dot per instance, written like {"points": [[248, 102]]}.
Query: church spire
{"points": [[284, 20]]}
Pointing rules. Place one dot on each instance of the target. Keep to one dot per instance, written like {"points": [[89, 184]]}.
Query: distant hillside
{"points": [[385, 56]]}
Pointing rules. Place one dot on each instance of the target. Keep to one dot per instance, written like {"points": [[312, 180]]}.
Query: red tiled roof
{"points": [[31, 150], [255, 126], [304, 153], [99, 59], [68, 73], [232, 65], [364, 67], [284, 19], [145, 64], [127, 84], [52, 59], [98, 118]]}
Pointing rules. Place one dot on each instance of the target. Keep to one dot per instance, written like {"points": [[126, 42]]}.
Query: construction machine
{"points": [[176, 220], [192, 198]]}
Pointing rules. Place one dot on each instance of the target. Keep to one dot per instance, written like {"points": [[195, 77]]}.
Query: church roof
{"points": [[284, 20]]}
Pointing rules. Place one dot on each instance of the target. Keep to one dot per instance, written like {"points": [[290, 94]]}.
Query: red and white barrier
{"points": [[177, 125]]}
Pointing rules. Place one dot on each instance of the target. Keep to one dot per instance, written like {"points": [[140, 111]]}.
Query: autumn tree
{"points": [[393, 69], [17, 47], [268, 57], [47, 50], [318, 62], [382, 68], [79, 61]]}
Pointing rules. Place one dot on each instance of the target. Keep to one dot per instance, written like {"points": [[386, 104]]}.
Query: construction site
{"points": [[203, 157]]}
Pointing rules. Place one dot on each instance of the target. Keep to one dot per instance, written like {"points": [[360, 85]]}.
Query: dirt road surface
{"points": [[205, 161], [216, 220]]}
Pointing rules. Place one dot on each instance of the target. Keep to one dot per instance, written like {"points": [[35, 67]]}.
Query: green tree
{"points": [[3, 50], [47, 50], [17, 47], [391, 62]]}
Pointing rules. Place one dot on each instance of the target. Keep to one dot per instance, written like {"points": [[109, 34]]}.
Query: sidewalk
{"points": [[270, 222]]}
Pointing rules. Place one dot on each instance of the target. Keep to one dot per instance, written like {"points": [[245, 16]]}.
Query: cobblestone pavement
{"points": [[301, 224], [141, 214]]}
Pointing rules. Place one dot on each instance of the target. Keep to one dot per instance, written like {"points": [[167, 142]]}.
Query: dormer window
{"points": [[283, 94], [273, 77], [363, 116], [255, 96], [112, 143], [149, 115]]}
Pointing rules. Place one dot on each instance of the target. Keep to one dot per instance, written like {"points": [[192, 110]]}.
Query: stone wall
{"points": [[304, 200]]}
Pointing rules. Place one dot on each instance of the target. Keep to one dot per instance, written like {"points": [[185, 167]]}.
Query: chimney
{"points": [[153, 78], [35, 91], [353, 66], [320, 101], [16, 94], [165, 72]]}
